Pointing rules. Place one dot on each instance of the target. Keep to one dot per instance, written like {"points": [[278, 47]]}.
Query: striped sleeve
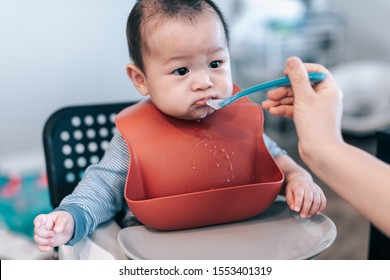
{"points": [[272, 147], [99, 195]]}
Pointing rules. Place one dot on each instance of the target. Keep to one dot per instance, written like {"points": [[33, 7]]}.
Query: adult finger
{"points": [[279, 93], [286, 111], [298, 76]]}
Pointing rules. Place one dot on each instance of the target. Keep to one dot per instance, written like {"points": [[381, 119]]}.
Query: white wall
{"points": [[367, 28], [57, 53]]}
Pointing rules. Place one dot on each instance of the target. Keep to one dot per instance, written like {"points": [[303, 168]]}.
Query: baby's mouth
{"points": [[202, 102]]}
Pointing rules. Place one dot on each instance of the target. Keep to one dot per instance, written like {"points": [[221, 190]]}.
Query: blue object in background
{"points": [[22, 197]]}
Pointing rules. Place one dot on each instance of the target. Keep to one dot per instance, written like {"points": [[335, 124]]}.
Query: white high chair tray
{"points": [[278, 233]]}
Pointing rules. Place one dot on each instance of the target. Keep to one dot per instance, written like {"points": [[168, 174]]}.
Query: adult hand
{"points": [[316, 110]]}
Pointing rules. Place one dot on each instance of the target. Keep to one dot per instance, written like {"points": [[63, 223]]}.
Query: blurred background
{"points": [[59, 53]]}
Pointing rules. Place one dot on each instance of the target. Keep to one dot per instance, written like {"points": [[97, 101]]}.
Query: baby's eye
{"points": [[215, 64], [181, 71]]}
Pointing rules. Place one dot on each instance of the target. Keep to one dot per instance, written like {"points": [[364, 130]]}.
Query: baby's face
{"points": [[187, 64]]}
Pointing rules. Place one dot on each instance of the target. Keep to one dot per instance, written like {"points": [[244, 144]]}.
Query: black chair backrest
{"points": [[73, 138]]}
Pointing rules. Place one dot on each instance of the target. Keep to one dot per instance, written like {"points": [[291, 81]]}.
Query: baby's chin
{"points": [[199, 113]]}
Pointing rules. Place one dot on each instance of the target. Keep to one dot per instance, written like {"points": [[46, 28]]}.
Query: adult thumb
{"points": [[298, 76]]}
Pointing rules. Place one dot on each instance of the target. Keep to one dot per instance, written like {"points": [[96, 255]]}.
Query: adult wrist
{"points": [[316, 154]]}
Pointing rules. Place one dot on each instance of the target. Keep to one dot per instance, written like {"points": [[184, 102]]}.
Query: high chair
{"points": [[76, 136]]}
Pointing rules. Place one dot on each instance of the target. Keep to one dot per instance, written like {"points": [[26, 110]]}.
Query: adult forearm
{"points": [[358, 177]]}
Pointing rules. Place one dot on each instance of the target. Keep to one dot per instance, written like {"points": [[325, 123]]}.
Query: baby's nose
{"points": [[202, 81]]}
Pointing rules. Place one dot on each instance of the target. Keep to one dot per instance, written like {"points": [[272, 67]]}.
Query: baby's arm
{"points": [[302, 194], [53, 229]]}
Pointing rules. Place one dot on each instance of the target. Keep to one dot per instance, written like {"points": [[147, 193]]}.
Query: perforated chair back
{"points": [[73, 138]]}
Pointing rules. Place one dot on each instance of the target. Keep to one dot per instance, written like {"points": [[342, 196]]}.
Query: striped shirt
{"points": [[100, 194]]}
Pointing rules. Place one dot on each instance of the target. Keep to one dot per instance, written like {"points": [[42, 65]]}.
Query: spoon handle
{"points": [[314, 77]]}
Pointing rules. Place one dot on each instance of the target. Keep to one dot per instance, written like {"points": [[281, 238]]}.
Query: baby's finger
{"points": [[40, 241], [44, 249], [60, 225], [322, 205], [43, 232], [290, 199], [298, 200], [315, 206], [307, 203], [45, 221], [39, 220]]}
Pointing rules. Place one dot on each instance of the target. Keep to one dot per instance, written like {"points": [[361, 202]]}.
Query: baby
{"points": [[180, 60]]}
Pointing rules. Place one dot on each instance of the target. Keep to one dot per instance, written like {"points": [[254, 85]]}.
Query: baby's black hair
{"points": [[144, 10]]}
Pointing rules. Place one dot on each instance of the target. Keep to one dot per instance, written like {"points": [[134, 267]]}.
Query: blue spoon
{"points": [[216, 104]]}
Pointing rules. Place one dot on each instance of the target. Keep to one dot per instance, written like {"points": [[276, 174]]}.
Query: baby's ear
{"points": [[138, 78]]}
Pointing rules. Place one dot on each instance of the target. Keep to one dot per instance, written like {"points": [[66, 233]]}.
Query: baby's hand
{"points": [[305, 196], [53, 229]]}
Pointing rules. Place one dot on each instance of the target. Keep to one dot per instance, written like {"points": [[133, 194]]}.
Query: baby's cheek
{"points": [[230, 88]]}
